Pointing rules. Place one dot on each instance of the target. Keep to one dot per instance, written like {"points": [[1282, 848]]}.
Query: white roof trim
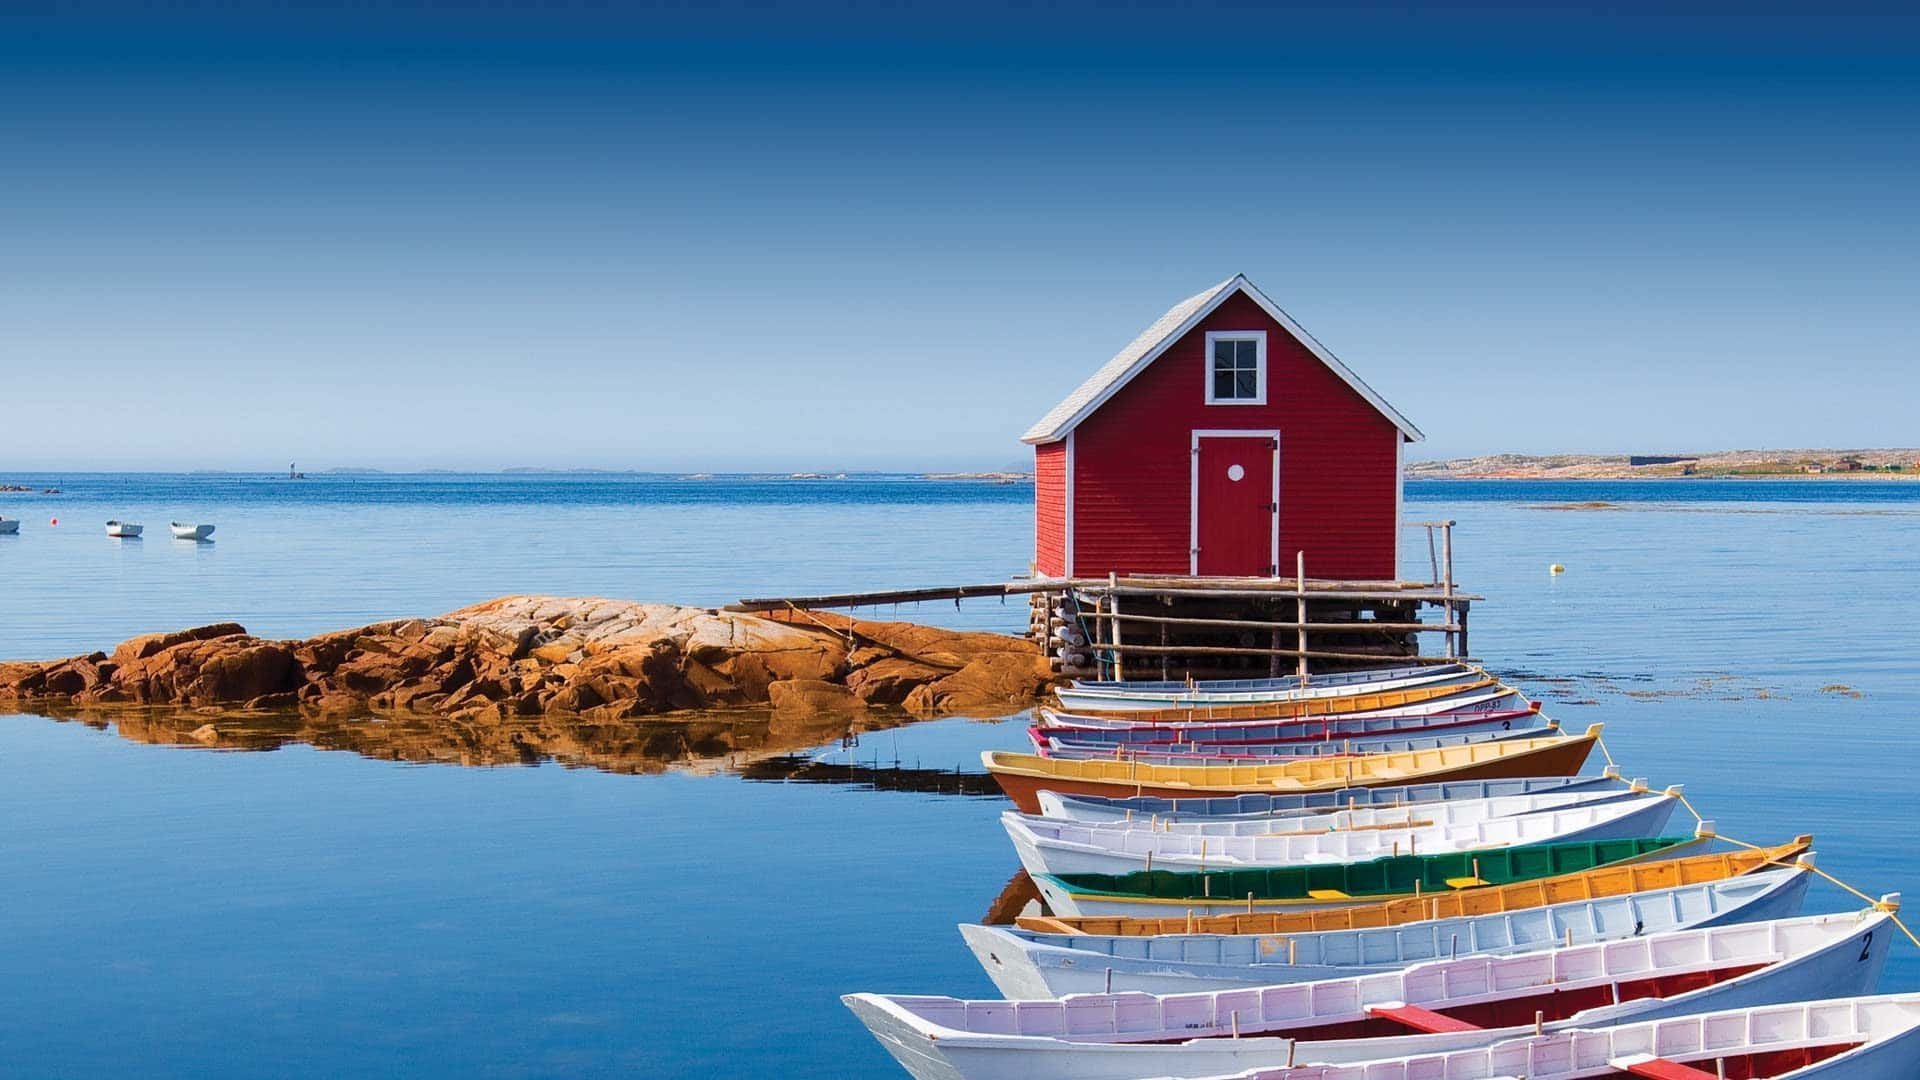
{"points": [[1173, 326]]}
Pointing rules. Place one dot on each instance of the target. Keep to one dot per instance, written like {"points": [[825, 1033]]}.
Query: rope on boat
{"points": [[1601, 742], [1892, 910]]}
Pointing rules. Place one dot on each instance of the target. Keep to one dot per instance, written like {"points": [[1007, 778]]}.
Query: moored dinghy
{"points": [[1050, 745], [1417, 697], [190, 532], [1273, 682], [1431, 1007], [1454, 812], [1336, 885], [125, 530], [1859, 1038], [1023, 776], [1027, 963], [1096, 808], [1663, 869], [1128, 696], [9, 526], [1315, 729], [1478, 696], [1052, 846]]}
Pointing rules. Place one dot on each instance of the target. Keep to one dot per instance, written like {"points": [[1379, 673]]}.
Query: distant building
{"points": [[1222, 441]]}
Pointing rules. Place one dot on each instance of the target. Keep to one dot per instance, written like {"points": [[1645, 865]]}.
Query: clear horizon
{"points": [[778, 241]]}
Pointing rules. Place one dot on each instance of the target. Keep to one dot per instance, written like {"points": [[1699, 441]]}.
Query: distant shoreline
{"points": [[1878, 464], [1755, 478]]}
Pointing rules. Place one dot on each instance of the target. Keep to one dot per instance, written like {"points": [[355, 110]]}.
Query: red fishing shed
{"points": [[1221, 442]]}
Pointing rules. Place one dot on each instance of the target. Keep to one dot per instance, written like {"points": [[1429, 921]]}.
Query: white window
{"points": [[1236, 367]]}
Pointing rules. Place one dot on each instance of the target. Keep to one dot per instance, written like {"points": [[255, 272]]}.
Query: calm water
{"points": [[168, 912]]}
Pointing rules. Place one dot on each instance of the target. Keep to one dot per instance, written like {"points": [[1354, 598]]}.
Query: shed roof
{"points": [[1171, 327]]}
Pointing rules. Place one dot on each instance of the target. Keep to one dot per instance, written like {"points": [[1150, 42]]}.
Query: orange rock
{"points": [[888, 682], [812, 697], [146, 645], [999, 679]]}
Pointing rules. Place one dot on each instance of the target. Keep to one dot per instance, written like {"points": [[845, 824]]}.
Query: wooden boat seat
{"points": [[1655, 1068], [1328, 894], [1465, 882], [1423, 1020]]}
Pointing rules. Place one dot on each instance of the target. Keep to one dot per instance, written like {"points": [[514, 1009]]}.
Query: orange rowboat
{"points": [[1601, 882], [1024, 776]]}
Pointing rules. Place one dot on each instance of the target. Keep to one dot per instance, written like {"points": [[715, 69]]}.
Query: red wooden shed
{"points": [[1222, 441]]}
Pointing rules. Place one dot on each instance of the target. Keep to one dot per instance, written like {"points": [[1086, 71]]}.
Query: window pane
{"points": [[1223, 354], [1243, 354], [1223, 385], [1246, 385]]}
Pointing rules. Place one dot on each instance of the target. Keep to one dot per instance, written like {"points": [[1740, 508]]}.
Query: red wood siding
{"points": [[1132, 468], [1050, 508]]}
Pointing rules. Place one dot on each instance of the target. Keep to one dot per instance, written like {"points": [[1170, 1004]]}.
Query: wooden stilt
{"points": [[1300, 608]]}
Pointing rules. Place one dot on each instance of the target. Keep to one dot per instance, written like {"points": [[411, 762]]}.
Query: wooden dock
{"points": [[1170, 627]]}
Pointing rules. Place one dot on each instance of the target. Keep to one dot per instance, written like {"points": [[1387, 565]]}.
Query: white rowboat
{"points": [[1127, 696], [1448, 1004], [1093, 808], [124, 529], [1032, 964], [1456, 812], [190, 532], [1049, 846], [1496, 698], [1859, 1038]]}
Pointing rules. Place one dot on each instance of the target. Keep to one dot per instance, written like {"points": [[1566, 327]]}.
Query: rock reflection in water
{"points": [[758, 744]]}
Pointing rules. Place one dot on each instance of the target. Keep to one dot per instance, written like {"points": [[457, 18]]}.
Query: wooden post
{"points": [[1166, 661], [1433, 559], [1113, 624], [1096, 633], [1460, 617], [1453, 636], [1300, 608]]}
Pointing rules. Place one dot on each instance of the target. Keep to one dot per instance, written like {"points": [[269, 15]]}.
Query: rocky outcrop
{"points": [[523, 656]]}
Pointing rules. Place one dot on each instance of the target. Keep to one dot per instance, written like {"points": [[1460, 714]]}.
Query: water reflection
{"points": [[756, 744]]}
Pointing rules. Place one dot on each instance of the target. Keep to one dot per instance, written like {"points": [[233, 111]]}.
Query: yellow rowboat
{"points": [[1598, 883], [1374, 701], [1024, 776]]}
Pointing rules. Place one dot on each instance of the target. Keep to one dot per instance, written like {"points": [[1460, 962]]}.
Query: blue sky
{"points": [[483, 235]]}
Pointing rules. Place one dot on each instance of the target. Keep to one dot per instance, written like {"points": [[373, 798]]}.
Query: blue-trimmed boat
{"points": [[1099, 808]]}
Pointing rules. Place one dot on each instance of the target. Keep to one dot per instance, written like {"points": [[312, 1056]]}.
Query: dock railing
{"points": [[1086, 613]]}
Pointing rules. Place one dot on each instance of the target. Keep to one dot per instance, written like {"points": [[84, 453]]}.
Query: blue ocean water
{"points": [[174, 912]]}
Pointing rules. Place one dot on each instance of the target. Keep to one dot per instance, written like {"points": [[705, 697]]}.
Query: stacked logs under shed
{"points": [[1224, 628], [1148, 627]]}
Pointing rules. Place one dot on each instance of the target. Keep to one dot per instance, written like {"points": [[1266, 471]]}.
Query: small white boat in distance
{"points": [[191, 532], [123, 529], [9, 526]]}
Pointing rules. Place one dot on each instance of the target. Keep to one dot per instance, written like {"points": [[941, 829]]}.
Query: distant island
{"points": [[1723, 464], [996, 477]]}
